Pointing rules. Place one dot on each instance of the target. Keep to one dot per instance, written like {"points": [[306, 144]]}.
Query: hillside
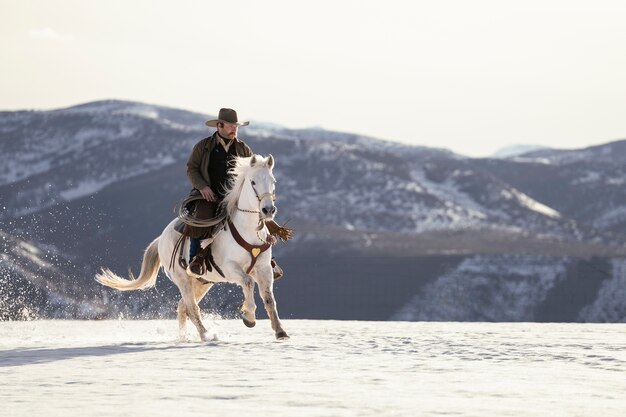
{"points": [[99, 181]]}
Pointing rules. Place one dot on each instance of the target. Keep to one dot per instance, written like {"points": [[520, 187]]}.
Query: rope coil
{"points": [[188, 219]]}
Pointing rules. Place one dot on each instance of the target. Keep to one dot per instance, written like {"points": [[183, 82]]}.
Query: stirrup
{"points": [[198, 259], [201, 263], [191, 273]]}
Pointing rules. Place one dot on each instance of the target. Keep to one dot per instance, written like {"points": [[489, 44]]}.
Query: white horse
{"points": [[248, 202]]}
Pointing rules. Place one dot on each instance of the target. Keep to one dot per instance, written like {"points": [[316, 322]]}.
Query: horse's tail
{"points": [[147, 277]]}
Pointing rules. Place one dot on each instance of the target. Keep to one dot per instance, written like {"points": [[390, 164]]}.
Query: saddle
{"points": [[184, 231], [200, 219]]}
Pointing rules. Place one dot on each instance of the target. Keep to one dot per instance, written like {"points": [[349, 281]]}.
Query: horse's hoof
{"points": [[248, 323], [209, 337], [282, 335]]}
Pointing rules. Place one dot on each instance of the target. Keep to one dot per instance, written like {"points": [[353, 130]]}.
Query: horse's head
{"points": [[262, 181], [251, 188]]}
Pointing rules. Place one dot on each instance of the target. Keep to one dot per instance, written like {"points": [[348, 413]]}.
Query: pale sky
{"points": [[470, 76]]}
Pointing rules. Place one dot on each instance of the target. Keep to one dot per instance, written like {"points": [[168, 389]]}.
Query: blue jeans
{"points": [[194, 247]]}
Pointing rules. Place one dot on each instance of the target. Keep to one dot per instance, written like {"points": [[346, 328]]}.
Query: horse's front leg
{"points": [[248, 310], [266, 289]]}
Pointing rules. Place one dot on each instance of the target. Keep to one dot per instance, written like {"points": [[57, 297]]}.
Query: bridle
{"points": [[261, 224], [259, 198]]}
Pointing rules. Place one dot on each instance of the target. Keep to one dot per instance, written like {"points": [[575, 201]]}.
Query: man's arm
{"points": [[193, 167]]}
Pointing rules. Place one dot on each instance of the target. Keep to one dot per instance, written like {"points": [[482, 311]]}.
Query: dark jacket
{"points": [[198, 163]]}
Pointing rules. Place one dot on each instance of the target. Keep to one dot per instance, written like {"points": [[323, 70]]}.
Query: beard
{"points": [[229, 136]]}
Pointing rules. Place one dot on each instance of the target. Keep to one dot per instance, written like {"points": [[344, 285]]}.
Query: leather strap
{"points": [[253, 250]]}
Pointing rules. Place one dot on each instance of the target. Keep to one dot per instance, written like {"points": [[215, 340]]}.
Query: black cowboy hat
{"points": [[226, 116]]}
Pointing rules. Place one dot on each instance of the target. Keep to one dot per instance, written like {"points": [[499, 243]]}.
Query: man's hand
{"points": [[208, 194]]}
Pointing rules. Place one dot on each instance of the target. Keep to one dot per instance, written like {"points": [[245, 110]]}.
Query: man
{"points": [[207, 169]]}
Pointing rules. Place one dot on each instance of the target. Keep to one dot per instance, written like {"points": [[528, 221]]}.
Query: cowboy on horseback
{"points": [[241, 252], [208, 169]]}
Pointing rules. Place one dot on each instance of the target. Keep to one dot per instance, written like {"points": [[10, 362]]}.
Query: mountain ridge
{"points": [[97, 181]]}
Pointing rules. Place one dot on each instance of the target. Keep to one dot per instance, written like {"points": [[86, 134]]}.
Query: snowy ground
{"points": [[327, 368]]}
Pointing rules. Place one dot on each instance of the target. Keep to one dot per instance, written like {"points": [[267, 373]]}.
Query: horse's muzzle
{"points": [[269, 211]]}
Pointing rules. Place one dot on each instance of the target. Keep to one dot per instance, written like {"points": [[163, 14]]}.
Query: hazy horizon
{"points": [[470, 77], [499, 152]]}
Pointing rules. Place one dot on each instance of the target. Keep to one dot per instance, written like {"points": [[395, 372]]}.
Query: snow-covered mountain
{"points": [[325, 178], [583, 184], [516, 150], [516, 287], [98, 181], [53, 156]]}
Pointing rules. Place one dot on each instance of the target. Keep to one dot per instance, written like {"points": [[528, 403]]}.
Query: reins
{"points": [[253, 250]]}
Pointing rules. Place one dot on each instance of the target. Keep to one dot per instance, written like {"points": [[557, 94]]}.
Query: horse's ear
{"points": [[270, 161], [253, 160]]}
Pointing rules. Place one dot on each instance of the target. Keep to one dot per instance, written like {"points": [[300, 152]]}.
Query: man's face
{"points": [[228, 130]]}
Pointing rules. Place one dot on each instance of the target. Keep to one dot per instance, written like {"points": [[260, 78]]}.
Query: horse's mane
{"points": [[238, 173]]}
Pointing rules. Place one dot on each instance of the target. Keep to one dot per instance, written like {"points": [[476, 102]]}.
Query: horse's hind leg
{"points": [[193, 310], [182, 318], [200, 289]]}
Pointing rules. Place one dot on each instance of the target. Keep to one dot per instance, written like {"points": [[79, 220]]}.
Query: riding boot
{"points": [[277, 270], [200, 263]]}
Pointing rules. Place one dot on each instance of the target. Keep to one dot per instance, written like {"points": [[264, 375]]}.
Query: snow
{"points": [[516, 150], [536, 160], [146, 111], [535, 205], [32, 253], [84, 188], [609, 218], [460, 212], [327, 368], [589, 177], [615, 181], [16, 168]]}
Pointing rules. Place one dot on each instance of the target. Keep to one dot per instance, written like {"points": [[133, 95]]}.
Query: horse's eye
{"points": [[253, 183]]}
